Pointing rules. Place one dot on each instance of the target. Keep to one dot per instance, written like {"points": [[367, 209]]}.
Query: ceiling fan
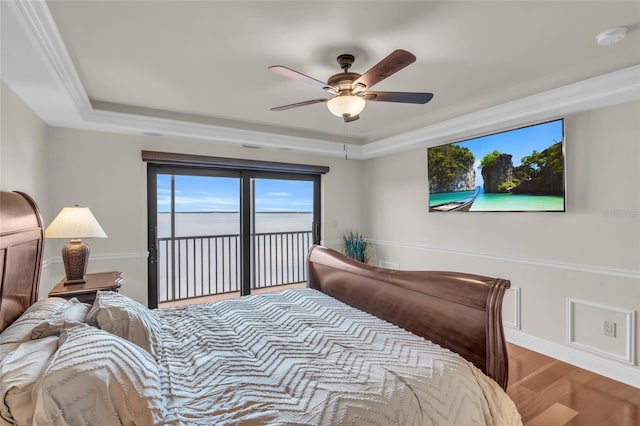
{"points": [[351, 90]]}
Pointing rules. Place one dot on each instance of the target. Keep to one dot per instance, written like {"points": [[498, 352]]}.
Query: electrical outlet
{"points": [[609, 328]]}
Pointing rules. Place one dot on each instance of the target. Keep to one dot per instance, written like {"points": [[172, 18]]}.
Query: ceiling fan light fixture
{"points": [[346, 105]]}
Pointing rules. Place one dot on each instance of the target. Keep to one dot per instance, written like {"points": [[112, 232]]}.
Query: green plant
{"points": [[356, 246]]}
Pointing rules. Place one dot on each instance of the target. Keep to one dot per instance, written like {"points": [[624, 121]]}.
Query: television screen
{"points": [[515, 170]]}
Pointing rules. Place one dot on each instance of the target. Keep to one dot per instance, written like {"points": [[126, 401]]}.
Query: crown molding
{"points": [[138, 124], [39, 20], [38, 34], [598, 92], [64, 102]]}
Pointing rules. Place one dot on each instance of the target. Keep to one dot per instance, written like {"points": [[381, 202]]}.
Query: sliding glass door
{"points": [[220, 231], [283, 220], [197, 249]]}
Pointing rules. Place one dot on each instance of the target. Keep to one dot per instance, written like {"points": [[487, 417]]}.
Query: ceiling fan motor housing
{"points": [[342, 81]]}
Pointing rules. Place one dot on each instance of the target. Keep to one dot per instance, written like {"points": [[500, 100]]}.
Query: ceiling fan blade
{"points": [[295, 75], [348, 119], [298, 104], [404, 97], [390, 65]]}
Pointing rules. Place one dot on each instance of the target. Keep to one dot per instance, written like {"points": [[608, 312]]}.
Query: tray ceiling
{"points": [[205, 62]]}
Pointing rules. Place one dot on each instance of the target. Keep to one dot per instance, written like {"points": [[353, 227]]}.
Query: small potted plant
{"points": [[356, 246]]}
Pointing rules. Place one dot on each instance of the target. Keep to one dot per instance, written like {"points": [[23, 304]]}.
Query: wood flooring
{"points": [[225, 296], [549, 392]]}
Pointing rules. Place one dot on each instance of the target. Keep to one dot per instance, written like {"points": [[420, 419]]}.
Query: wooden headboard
{"points": [[21, 244], [462, 312]]}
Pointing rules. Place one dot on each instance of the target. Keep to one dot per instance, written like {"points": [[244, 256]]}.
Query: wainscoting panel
{"points": [[586, 323], [511, 308]]}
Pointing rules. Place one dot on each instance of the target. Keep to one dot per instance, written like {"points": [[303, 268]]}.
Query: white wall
{"points": [[591, 253], [105, 172], [22, 147], [23, 154]]}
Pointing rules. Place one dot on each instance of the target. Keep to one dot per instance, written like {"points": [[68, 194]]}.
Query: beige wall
{"points": [[591, 253], [105, 172], [23, 156], [22, 147]]}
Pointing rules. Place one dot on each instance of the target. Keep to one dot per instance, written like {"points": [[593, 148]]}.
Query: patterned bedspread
{"points": [[301, 357]]}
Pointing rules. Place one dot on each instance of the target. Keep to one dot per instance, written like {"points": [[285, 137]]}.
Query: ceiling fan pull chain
{"points": [[344, 145]]}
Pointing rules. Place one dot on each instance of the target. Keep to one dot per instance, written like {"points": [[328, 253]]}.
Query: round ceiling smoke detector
{"points": [[611, 36]]}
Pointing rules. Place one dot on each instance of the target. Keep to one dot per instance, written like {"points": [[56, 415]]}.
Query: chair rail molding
{"points": [[617, 272], [100, 257]]}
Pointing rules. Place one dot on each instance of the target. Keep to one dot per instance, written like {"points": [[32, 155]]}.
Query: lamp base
{"points": [[72, 282], [75, 255]]}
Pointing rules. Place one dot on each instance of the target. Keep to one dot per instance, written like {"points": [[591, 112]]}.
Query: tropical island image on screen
{"points": [[515, 170]]}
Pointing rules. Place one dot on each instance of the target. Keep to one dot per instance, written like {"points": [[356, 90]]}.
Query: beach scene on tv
{"points": [[515, 170]]}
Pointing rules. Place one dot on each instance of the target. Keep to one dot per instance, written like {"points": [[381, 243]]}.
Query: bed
{"points": [[359, 345]]}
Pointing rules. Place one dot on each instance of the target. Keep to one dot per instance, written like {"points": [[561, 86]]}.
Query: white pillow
{"points": [[124, 317], [72, 314], [18, 372], [20, 330], [97, 378]]}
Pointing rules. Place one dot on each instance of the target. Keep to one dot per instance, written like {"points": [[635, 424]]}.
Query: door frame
{"points": [[246, 209]]}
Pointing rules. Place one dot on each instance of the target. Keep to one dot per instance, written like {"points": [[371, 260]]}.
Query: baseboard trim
{"points": [[599, 365]]}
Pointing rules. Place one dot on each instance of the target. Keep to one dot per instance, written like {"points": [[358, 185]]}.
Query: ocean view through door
{"points": [[282, 231], [225, 232]]}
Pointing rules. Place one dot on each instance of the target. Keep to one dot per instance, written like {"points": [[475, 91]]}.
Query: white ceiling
{"points": [[206, 62]]}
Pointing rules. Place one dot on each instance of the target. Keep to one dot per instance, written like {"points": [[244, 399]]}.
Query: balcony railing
{"points": [[201, 266]]}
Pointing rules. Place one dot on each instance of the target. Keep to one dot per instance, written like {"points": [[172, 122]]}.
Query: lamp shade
{"points": [[75, 222], [346, 105]]}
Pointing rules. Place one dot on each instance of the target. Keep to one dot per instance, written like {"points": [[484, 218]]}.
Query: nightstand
{"points": [[86, 292]]}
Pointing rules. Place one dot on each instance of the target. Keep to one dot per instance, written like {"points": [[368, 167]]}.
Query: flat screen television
{"points": [[516, 170]]}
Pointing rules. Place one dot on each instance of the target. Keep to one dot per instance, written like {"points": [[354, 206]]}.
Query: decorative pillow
{"points": [[20, 330], [97, 378], [46, 307], [19, 371], [54, 328], [124, 317], [71, 315]]}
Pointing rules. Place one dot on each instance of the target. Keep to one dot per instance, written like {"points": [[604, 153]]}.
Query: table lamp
{"points": [[75, 223]]}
